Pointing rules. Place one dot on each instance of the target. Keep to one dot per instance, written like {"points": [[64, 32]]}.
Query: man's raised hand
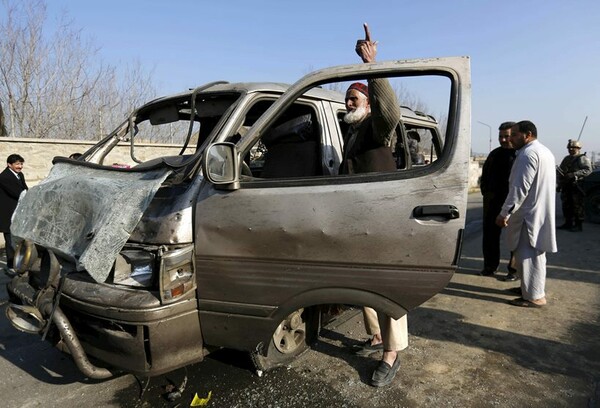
{"points": [[366, 49]]}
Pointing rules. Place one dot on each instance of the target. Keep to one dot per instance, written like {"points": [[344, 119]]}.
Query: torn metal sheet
{"points": [[86, 214]]}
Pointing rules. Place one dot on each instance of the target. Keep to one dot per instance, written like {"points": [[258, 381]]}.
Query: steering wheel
{"points": [[246, 169]]}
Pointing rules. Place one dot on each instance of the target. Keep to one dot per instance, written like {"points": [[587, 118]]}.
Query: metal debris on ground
{"points": [[174, 392]]}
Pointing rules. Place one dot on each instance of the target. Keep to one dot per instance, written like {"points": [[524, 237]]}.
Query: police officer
{"points": [[572, 169]]}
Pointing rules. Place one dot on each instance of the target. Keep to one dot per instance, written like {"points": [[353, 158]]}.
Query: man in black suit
{"points": [[12, 183], [494, 188]]}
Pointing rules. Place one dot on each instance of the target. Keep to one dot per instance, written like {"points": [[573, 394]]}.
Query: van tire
{"points": [[293, 336]]}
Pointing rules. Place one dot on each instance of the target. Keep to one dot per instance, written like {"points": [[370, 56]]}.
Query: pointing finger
{"points": [[367, 32]]}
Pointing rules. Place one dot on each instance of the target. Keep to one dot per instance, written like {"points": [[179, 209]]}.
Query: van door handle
{"points": [[449, 212]]}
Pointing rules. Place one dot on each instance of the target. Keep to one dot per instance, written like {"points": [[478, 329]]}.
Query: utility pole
{"points": [[490, 132]]}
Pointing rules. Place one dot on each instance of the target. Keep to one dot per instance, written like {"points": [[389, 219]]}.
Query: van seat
{"points": [[292, 149]]}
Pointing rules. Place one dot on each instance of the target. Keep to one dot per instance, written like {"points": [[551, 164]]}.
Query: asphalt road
{"points": [[467, 348]]}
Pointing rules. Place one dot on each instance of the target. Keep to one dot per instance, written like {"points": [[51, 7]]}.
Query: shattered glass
{"points": [[86, 214]]}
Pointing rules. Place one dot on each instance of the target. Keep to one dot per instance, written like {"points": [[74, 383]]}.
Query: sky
{"points": [[535, 60]]}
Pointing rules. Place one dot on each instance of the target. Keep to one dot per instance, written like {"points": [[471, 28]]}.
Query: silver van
{"points": [[145, 264]]}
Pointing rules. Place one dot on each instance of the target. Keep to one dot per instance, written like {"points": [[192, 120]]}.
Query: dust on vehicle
{"points": [[145, 264]]}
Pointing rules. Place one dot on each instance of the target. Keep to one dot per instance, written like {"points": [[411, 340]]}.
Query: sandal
{"points": [[524, 303], [366, 349]]}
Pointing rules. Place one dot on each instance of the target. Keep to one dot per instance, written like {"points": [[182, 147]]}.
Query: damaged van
{"points": [[144, 264]]}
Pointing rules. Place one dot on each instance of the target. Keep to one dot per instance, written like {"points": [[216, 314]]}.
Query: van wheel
{"points": [[293, 336]]}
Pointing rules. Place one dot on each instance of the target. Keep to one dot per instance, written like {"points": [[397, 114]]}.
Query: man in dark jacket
{"points": [[373, 114], [12, 183], [494, 187]]}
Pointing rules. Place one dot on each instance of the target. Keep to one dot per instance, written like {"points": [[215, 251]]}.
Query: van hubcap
{"points": [[291, 333]]}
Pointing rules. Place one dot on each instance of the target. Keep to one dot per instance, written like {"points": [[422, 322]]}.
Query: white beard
{"points": [[356, 116]]}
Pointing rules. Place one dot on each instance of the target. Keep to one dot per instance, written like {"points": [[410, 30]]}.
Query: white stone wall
{"points": [[475, 169], [38, 153]]}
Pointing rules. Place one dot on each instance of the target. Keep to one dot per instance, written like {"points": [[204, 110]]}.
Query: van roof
{"points": [[279, 88]]}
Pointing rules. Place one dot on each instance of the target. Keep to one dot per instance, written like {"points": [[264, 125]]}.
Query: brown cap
{"points": [[360, 87]]}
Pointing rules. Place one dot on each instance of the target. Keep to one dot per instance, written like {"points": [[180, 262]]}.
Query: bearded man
{"points": [[528, 212], [373, 114]]}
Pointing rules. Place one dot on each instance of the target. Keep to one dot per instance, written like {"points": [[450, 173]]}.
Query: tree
{"points": [[54, 85], [408, 98], [3, 131]]}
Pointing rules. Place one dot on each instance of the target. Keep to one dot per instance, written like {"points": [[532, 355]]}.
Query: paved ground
{"points": [[468, 348]]}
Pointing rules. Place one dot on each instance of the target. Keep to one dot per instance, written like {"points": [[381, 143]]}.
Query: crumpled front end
{"points": [[125, 328], [84, 286], [86, 214]]}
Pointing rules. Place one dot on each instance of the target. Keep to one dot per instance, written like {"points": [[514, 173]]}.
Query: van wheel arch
{"points": [[270, 353]]}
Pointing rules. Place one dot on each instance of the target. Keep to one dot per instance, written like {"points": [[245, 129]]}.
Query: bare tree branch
{"points": [[53, 84]]}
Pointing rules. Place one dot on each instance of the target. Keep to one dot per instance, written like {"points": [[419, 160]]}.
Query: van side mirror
{"points": [[220, 165]]}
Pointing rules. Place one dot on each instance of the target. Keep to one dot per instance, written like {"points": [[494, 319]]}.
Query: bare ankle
{"points": [[390, 356]]}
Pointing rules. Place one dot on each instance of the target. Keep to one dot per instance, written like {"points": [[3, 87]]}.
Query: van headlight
{"points": [[135, 268], [176, 273]]}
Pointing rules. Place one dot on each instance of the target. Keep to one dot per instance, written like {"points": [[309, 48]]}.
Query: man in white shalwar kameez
{"points": [[528, 212]]}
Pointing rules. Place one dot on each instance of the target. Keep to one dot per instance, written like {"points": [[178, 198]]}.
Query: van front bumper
{"points": [[124, 329]]}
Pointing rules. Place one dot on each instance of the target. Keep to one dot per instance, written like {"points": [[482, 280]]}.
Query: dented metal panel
{"points": [[86, 214], [275, 243], [168, 219]]}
